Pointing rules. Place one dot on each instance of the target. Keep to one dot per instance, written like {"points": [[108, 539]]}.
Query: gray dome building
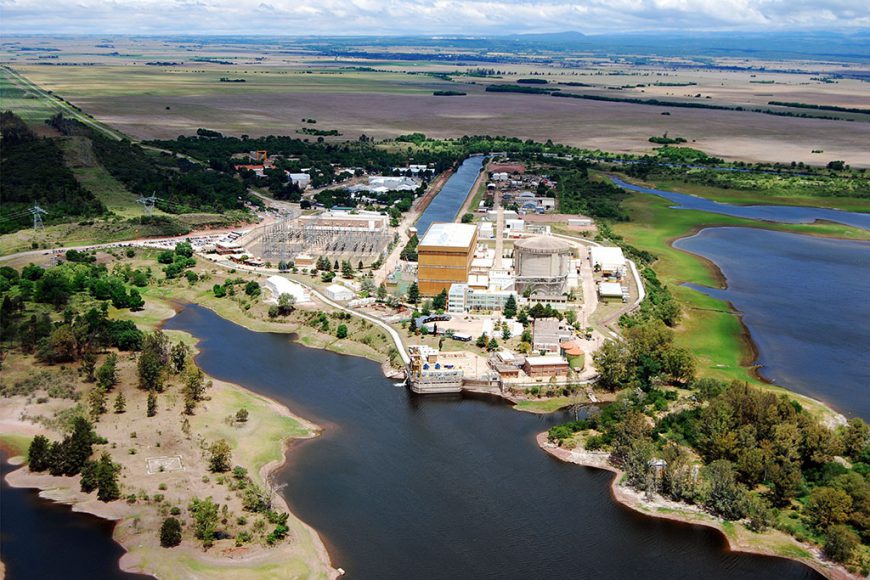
{"points": [[542, 264]]}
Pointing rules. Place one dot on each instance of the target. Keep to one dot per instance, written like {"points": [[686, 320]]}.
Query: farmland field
{"points": [[151, 89]]}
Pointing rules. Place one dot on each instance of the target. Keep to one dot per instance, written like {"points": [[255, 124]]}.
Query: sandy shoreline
{"points": [[770, 543], [66, 490]]}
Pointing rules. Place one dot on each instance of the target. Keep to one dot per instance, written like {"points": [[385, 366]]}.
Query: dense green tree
{"points": [[827, 506], [414, 293], [856, 436], [107, 374], [205, 517], [840, 543], [38, 453], [178, 356], [151, 405], [341, 331], [725, 498], [220, 456], [170, 532]]}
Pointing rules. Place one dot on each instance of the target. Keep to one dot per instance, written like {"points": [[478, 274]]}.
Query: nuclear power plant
{"points": [[542, 265]]}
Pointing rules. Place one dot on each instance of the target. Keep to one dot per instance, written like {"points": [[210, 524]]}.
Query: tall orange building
{"points": [[444, 256]]}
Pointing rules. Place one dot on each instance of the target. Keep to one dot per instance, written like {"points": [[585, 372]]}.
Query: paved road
{"points": [[397, 339]]}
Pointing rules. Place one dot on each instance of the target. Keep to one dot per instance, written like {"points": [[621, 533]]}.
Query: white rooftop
{"points": [[610, 289], [606, 255], [278, 285], [449, 235]]}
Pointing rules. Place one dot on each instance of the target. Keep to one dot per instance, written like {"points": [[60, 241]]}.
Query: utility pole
{"points": [[148, 203], [37, 213]]}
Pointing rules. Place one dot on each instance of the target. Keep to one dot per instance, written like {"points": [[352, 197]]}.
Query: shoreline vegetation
{"points": [[739, 538]]}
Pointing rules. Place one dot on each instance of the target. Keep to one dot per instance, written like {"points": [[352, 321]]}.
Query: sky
{"points": [[395, 17]]}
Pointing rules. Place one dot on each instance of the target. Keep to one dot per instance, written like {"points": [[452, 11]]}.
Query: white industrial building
{"points": [[278, 285], [462, 298], [339, 293], [301, 180], [612, 290], [608, 260]]}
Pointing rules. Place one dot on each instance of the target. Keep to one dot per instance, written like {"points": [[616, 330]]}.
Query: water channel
{"points": [[789, 214], [446, 204]]}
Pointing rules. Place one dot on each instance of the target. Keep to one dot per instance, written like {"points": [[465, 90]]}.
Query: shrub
{"points": [[170, 532]]}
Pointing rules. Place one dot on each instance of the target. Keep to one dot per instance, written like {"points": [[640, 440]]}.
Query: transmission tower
{"points": [[148, 203], [37, 213]]}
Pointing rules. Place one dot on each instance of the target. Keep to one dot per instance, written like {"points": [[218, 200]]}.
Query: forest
{"points": [[32, 171]]}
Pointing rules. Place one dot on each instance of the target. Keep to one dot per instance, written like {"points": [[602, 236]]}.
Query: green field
{"points": [[188, 80], [30, 105]]}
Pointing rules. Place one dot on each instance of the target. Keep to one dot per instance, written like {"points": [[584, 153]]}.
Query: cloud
{"points": [[341, 17]]}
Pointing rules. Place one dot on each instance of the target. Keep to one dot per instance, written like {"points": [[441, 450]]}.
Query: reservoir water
{"points": [[805, 303], [789, 214], [43, 539], [402, 486], [446, 204]]}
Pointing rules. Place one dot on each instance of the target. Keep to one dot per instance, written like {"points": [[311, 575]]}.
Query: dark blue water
{"points": [[788, 214], [806, 302], [446, 204], [43, 539], [403, 486]]}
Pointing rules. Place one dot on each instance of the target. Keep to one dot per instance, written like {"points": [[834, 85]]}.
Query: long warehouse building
{"points": [[444, 256]]}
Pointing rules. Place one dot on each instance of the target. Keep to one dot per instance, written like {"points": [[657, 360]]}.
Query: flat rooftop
{"points": [[449, 235], [606, 255]]}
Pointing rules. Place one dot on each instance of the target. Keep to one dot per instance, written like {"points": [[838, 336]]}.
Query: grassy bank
{"points": [[776, 194], [709, 327]]}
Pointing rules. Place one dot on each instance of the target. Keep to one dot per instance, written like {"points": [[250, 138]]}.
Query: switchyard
{"points": [[287, 238]]}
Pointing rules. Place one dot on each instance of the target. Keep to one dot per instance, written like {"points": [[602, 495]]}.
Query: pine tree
{"points": [[107, 479], [88, 365], [107, 374], [120, 403], [97, 402], [414, 293], [510, 307]]}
